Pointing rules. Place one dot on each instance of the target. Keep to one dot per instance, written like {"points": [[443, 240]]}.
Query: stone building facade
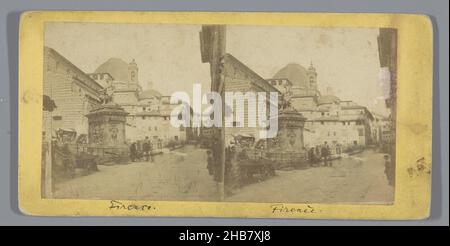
{"points": [[239, 78], [329, 120], [148, 110], [74, 93]]}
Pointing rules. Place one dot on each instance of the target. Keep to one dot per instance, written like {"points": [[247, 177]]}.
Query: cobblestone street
{"points": [[177, 175], [182, 175], [358, 178]]}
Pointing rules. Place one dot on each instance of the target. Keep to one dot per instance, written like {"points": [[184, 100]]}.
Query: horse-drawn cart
{"points": [[262, 158], [252, 160], [70, 156], [254, 163]]}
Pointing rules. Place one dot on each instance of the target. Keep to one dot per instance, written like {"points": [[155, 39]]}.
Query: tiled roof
{"points": [[149, 94], [327, 99], [148, 113]]}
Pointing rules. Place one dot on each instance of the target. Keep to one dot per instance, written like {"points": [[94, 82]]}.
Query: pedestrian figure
{"points": [[216, 153], [389, 170], [210, 164], [317, 154], [151, 151], [311, 157], [328, 154], [323, 153], [159, 144], [133, 151], [146, 148], [139, 150]]}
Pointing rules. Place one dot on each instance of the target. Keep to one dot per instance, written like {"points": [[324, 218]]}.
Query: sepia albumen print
{"points": [[166, 112]]}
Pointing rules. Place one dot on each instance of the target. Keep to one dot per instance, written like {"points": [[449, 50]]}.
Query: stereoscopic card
{"points": [[196, 114]]}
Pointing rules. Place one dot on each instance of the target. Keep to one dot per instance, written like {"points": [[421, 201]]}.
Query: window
{"points": [[156, 128], [150, 128], [321, 123], [334, 133], [143, 117], [323, 113], [343, 123]]}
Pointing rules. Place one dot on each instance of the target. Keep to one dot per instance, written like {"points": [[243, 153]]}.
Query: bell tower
{"points": [[312, 77], [133, 74]]}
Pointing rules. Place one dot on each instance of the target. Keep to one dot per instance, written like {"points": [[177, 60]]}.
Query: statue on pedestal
{"points": [[286, 101], [106, 94], [107, 129]]}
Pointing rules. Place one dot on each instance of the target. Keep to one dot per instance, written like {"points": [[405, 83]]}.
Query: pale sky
{"points": [[168, 56]]}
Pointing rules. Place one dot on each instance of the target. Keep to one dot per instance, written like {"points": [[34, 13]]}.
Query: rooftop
{"points": [[116, 67], [150, 93], [295, 73]]}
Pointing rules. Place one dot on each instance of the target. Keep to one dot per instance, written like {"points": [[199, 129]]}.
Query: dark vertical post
{"points": [[212, 45], [387, 49], [48, 192]]}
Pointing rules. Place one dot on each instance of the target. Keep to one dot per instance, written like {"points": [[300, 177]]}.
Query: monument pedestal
{"points": [[107, 133], [290, 130], [288, 150]]}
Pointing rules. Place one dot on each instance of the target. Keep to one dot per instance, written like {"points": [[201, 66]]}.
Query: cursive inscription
{"points": [[281, 208], [116, 205]]}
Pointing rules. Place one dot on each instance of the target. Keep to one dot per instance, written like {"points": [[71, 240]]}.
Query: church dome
{"points": [[295, 73], [117, 67]]}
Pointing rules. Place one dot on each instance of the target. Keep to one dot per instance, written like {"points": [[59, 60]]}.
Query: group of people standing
{"points": [[142, 150], [320, 153]]}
